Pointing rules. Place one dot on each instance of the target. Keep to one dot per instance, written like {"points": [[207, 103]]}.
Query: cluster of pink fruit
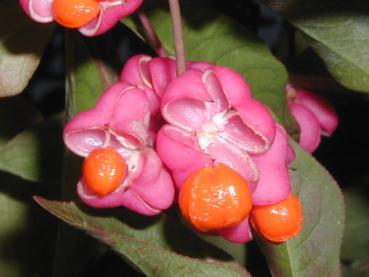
{"points": [[201, 133], [173, 128]]}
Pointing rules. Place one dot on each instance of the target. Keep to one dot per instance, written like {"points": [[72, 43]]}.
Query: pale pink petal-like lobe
{"points": [[254, 121], [127, 198], [132, 201], [152, 76], [136, 71], [291, 156], [154, 184], [186, 87], [87, 130], [219, 99], [235, 87], [274, 184], [111, 12], [309, 125], [159, 193], [240, 233], [179, 177], [131, 116], [38, 10], [109, 201], [202, 66], [231, 156], [176, 152], [162, 71], [257, 117], [321, 108]]}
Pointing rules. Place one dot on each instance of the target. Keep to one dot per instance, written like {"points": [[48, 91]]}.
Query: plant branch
{"points": [[175, 12], [151, 34]]}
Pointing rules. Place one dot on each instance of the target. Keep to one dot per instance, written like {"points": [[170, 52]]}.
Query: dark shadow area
{"points": [[108, 52], [27, 238], [115, 47], [132, 219], [308, 71], [49, 135], [256, 263], [46, 89], [183, 240], [355, 247], [178, 237], [16, 114], [111, 264], [20, 34], [345, 154], [303, 9], [199, 14]]}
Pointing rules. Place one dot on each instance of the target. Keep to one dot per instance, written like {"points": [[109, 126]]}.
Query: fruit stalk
{"points": [[175, 12], [151, 34]]}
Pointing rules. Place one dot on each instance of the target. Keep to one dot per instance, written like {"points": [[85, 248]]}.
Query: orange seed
{"points": [[104, 170], [215, 198], [75, 13], [278, 222]]}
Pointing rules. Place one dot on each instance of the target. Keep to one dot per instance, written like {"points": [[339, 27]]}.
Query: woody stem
{"points": [[175, 12], [151, 34]]}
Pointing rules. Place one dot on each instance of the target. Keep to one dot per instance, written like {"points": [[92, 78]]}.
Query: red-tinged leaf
{"points": [[156, 246]]}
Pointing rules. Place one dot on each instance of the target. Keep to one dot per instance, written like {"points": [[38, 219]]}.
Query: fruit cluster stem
{"points": [[175, 11], [151, 34]]}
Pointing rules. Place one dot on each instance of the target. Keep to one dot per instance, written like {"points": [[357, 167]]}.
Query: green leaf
{"points": [[22, 43], [32, 154], [84, 83], [315, 251], [236, 250], [212, 37], [338, 31], [87, 76], [157, 246]]}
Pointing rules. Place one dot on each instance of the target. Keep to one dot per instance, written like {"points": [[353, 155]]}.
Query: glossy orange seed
{"points": [[215, 198], [278, 222], [75, 13], [104, 170]]}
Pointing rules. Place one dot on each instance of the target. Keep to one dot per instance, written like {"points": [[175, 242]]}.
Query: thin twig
{"points": [[151, 34], [175, 12]]}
